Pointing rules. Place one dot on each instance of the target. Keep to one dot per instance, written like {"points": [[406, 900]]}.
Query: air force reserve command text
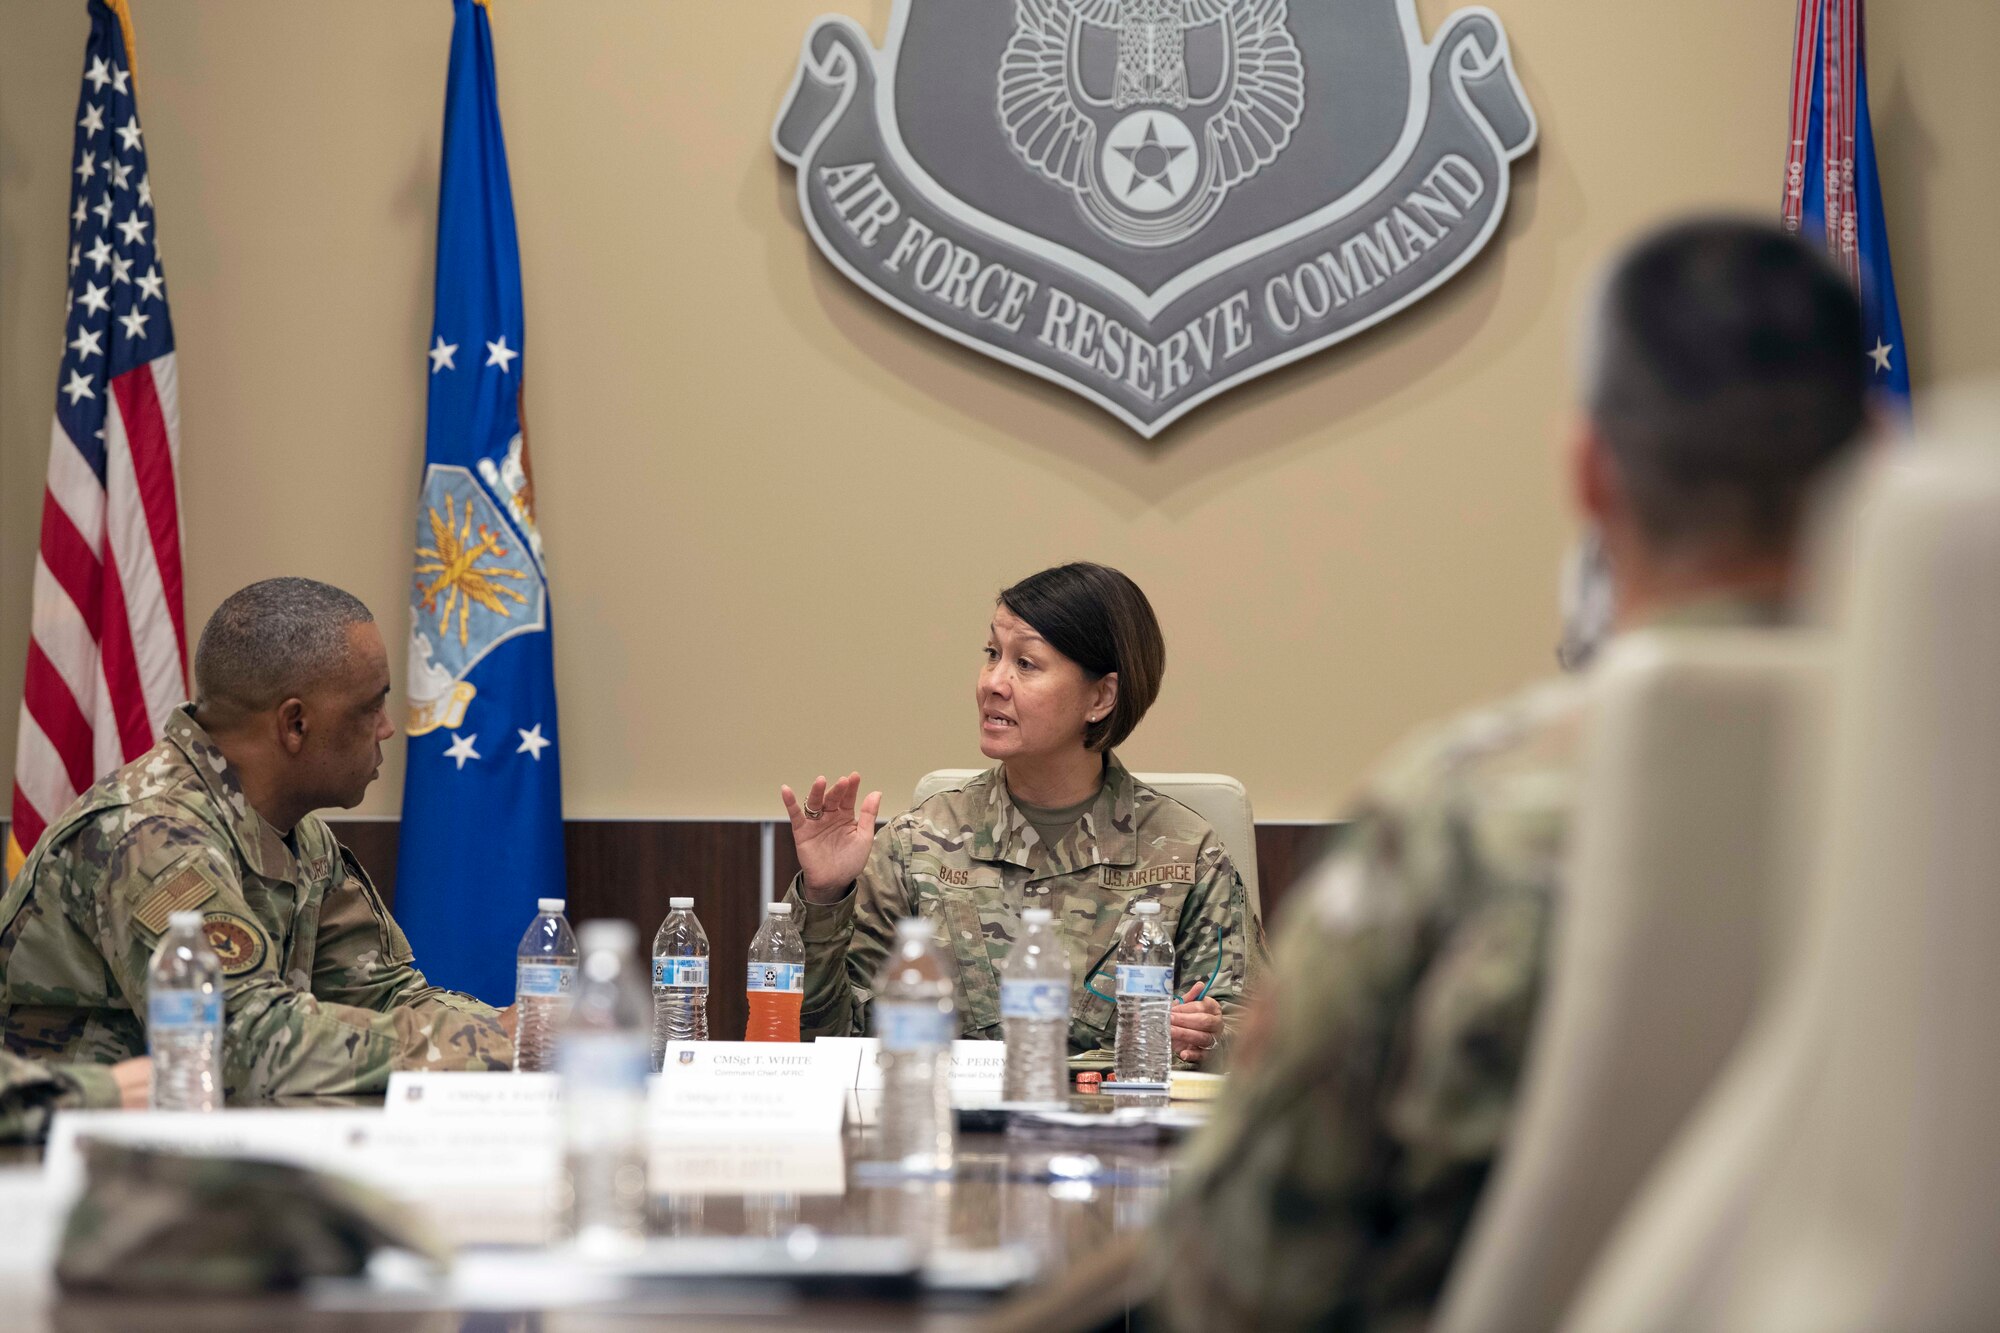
{"points": [[1150, 235], [957, 276]]}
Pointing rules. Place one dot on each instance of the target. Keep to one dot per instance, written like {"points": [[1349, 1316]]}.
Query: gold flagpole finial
{"points": [[123, 9]]}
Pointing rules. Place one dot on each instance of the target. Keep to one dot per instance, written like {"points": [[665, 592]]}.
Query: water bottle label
{"points": [[778, 976], [1034, 999], [183, 1009], [551, 980], [1145, 982], [915, 1027], [675, 973], [604, 1061]]}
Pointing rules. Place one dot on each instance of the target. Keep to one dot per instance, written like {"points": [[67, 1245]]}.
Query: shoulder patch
{"points": [[237, 943], [181, 893]]}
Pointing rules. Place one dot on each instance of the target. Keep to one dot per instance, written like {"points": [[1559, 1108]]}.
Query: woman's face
{"points": [[1033, 701]]}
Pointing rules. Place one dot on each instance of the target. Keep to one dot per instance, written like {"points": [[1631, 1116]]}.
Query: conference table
{"points": [[1016, 1207]]}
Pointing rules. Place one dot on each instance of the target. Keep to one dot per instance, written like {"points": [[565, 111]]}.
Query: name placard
{"points": [[485, 1180], [978, 1068], [748, 1092], [470, 1095], [732, 1117]]}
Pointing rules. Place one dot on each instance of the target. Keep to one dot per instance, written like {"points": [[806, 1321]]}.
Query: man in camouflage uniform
{"points": [[320, 992], [969, 860], [1378, 1068]]}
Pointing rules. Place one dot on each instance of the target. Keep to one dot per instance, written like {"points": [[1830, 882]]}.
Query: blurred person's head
{"points": [[292, 684], [1726, 375]]}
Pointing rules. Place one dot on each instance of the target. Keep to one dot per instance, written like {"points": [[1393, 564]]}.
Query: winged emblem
{"points": [[1107, 99]]}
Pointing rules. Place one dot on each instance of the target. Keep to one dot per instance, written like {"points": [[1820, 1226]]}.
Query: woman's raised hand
{"points": [[831, 835]]}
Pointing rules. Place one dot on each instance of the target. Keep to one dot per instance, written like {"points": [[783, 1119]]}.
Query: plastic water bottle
{"points": [[916, 1019], [680, 979], [1034, 1013], [602, 1059], [544, 985], [184, 1018], [777, 977], [1145, 998]]}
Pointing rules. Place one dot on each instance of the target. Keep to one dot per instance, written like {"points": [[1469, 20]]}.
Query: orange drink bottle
{"points": [[777, 977]]}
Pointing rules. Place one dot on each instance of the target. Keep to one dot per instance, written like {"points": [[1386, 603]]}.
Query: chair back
{"points": [[1665, 935], [1843, 1177]]}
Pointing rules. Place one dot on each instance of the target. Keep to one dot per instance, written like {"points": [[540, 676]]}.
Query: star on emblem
{"points": [[1880, 354], [461, 748], [499, 354], [1150, 160], [441, 355], [533, 742]]}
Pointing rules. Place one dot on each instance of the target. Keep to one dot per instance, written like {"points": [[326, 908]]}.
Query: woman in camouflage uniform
{"points": [[1073, 660]]}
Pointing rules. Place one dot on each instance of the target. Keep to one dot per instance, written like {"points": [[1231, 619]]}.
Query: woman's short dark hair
{"points": [[1098, 619]]}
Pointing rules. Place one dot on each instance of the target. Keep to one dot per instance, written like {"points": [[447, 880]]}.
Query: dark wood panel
{"points": [[1285, 852], [630, 869]]}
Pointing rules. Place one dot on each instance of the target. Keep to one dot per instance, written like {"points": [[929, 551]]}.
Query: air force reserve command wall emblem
{"points": [[1151, 201]]}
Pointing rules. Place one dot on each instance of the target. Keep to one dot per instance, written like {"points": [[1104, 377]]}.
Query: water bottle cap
{"points": [[1147, 908], [614, 935], [184, 921], [680, 904], [1038, 916], [914, 928], [779, 909], [550, 904]]}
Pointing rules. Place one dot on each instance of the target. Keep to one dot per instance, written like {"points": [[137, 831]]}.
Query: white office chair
{"points": [[1666, 933], [1843, 1174], [1220, 800]]}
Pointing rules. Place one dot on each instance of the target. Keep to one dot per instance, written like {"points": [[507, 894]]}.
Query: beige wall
{"points": [[777, 511]]}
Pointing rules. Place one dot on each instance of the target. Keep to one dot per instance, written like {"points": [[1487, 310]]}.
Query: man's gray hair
{"points": [[274, 640]]}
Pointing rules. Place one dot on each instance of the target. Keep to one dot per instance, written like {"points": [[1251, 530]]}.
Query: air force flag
{"points": [[1832, 193], [482, 801]]}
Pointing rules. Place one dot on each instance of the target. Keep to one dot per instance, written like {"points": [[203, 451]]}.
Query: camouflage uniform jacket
{"points": [[968, 860], [320, 993], [1337, 1177], [32, 1092]]}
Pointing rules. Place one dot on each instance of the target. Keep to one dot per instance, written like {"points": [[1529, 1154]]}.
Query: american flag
{"points": [[107, 660]]}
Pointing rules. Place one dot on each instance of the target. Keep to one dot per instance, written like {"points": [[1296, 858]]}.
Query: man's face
{"points": [[347, 720]]}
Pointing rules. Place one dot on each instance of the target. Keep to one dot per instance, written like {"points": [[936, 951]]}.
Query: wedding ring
{"points": [[812, 813]]}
